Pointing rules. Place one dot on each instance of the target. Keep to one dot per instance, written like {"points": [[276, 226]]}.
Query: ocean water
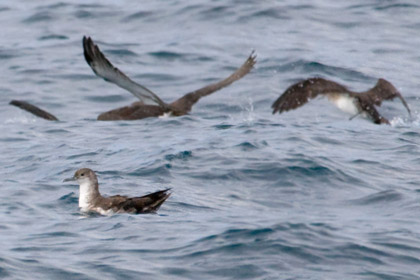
{"points": [[303, 195]]}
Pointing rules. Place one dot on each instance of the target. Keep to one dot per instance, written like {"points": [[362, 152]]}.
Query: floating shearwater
{"points": [[349, 101], [150, 105], [90, 199]]}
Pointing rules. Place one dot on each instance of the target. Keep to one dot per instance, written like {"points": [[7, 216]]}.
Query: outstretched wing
{"points": [[384, 90], [104, 69], [33, 109], [185, 103], [303, 91]]}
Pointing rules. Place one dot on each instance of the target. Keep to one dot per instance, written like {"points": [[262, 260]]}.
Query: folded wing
{"points": [[146, 203]]}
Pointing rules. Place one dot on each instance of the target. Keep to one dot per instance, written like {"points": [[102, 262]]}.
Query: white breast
{"points": [[166, 115], [85, 196], [344, 102]]}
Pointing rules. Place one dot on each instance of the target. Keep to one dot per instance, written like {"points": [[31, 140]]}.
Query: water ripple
{"points": [[302, 195]]}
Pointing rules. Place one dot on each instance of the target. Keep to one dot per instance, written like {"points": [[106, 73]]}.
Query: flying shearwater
{"points": [[348, 101], [90, 199], [150, 105]]}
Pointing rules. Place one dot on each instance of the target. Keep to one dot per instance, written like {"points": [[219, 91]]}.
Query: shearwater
{"points": [[348, 101], [91, 200], [150, 105]]}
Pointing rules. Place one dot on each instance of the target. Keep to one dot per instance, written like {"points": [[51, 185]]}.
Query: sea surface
{"points": [[306, 194]]}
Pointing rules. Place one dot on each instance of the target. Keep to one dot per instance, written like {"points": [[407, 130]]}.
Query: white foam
{"points": [[249, 115], [23, 120], [406, 121]]}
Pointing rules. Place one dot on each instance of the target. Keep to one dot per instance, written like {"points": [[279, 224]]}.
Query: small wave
{"points": [[142, 15], [113, 271], [120, 52], [53, 234], [223, 126], [216, 12], [315, 68], [247, 146], [7, 54], [42, 16], [106, 99], [56, 6], [83, 155], [381, 198], [272, 12], [181, 156], [165, 55], [188, 206], [53, 37], [15, 139], [397, 6], [156, 77], [69, 198], [162, 170]]}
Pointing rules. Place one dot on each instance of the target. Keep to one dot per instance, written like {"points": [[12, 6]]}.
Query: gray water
{"points": [[306, 194]]}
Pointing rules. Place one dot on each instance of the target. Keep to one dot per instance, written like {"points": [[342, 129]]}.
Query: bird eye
{"points": [[83, 174]]}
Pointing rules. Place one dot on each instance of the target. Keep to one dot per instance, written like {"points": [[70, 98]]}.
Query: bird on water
{"points": [[348, 101], [91, 200], [149, 104]]}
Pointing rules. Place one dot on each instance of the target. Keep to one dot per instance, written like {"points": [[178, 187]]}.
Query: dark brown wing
{"points": [[384, 90], [184, 104], [135, 111], [112, 202], [104, 69], [303, 91], [145, 204], [370, 109], [33, 109]]}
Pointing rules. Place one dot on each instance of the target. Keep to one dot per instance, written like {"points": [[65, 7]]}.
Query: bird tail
{"points": [[158, 198]]}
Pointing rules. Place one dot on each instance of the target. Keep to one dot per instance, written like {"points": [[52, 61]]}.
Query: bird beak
{"points": [[69, 179]]}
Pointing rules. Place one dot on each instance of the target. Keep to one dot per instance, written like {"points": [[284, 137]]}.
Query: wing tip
{"points": [[396, 93], [15, 102], [405, 104], [252, 59], [89, 49], [275, 107]]}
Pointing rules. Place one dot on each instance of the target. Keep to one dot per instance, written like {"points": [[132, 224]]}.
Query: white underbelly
{"points": [[345, 103], [166, 115], [102, 211]]}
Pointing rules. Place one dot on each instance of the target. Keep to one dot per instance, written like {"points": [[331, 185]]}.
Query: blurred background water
{"points": [[303, 195]]}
